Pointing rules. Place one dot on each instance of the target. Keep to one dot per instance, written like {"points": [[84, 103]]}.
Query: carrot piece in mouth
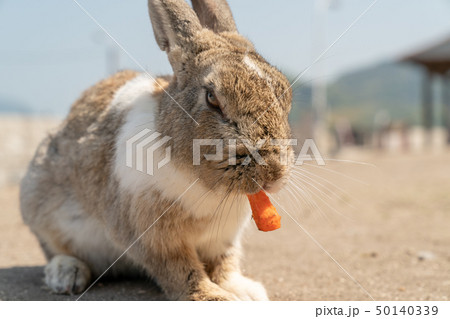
{"points": [[264, 213]]}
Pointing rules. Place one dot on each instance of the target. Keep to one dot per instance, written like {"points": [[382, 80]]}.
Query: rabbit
{"points": [[182, 226]]}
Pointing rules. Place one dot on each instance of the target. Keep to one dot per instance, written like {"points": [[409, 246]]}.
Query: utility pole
{"points": [[112, 53], [319, 86], [112, 59]]}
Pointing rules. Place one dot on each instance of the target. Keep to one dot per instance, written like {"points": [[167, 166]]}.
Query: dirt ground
{"points": [[388, 227]]}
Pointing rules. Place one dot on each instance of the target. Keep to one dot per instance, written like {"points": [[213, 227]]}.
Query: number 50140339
{"points": [[407, 310]]}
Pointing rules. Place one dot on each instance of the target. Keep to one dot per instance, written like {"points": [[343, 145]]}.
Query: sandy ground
{"points": [[387, 226]]}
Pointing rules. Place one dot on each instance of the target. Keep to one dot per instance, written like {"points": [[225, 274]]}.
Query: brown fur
{"points": [[161, 85], [71, 176], [215, 15], [246, 98]]}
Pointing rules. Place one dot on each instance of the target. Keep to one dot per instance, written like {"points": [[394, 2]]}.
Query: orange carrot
{"points": [[264, 213]]}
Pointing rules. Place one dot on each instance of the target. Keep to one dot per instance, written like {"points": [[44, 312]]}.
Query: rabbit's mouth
{"points": [[242, 168], [272, 182], [253, 178]]}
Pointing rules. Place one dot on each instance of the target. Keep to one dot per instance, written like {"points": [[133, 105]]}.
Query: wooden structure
{"points": [[436, 62]]}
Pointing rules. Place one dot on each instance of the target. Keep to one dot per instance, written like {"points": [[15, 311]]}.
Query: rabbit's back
{"points": [[69, 179], [77, 157]]}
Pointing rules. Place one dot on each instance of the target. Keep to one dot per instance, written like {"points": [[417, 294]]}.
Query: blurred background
{"points": [[378, 86], [372, 85]]}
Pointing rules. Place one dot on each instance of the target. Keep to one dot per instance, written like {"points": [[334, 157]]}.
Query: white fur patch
{"points": [[255, 68], [252, 66], [141, 86], [227, 218], [86, 235], [67, 275], [244, 288]]}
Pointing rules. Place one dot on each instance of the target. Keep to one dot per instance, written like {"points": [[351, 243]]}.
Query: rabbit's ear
{"points": [[215, 15], [174, 23]]}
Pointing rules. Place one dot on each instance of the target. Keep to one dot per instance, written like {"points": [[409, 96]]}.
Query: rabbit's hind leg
{"points": [[67, 275], [77, 247]]}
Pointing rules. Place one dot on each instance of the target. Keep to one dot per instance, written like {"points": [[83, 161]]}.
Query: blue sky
{"points": [[50, 50]]}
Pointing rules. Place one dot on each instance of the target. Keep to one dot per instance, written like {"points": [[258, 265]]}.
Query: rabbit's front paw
{"points": [[211, 292], [244, 288], [67, 275]]}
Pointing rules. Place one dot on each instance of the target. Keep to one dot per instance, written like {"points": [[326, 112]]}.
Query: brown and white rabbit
{"points": [[86, 206]]}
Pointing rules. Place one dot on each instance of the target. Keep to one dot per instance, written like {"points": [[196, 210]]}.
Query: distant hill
{"points": [[10, 106], [394, 88]]}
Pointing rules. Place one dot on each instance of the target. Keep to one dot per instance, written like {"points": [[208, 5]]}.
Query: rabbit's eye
{"points": [[212, 100]]}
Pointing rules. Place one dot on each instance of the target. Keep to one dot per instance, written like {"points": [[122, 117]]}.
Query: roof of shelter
{"points": [[436, 58]]}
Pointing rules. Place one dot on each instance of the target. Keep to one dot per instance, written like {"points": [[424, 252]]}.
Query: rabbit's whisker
{"points": [[296, 199], [302, 176], [337, 173], [320, 197], [296, 187], [217, 214], [343, 194], [351, 162]]}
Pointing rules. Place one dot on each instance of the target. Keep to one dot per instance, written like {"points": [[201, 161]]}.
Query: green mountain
{"points": [[393, 88]]}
